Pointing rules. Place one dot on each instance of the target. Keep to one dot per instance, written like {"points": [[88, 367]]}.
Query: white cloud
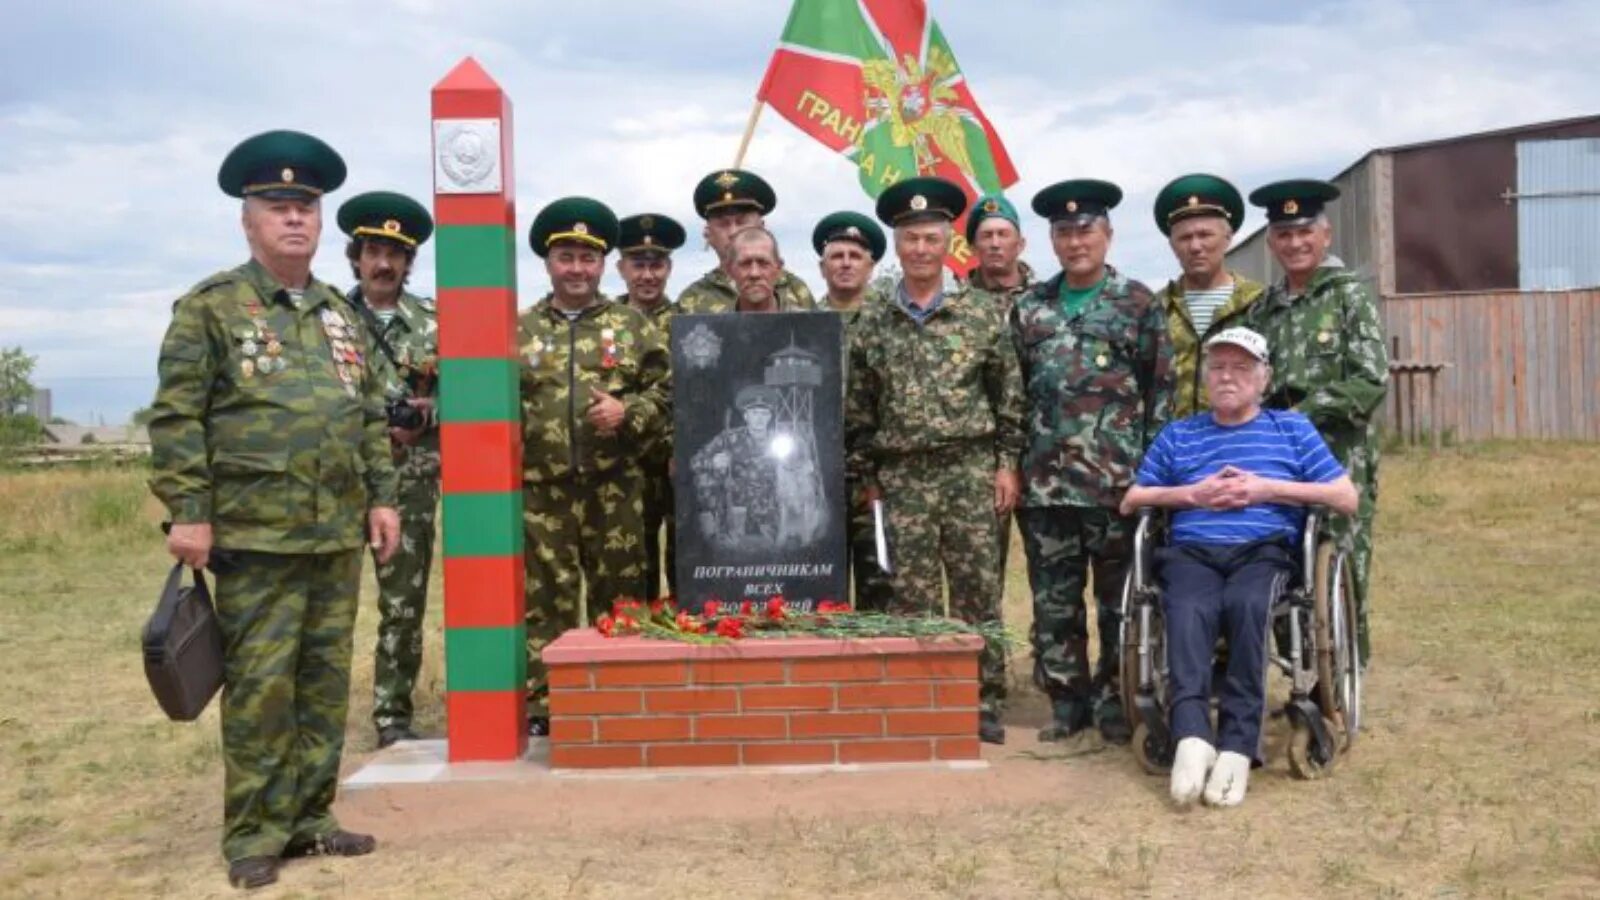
{"points": [[109, 139]]}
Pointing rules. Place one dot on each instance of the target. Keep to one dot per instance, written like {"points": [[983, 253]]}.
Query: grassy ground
{"points": [[1477, 775]]}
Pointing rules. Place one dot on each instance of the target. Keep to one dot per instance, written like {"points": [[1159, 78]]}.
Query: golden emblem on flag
{"points": [[920, 106]]}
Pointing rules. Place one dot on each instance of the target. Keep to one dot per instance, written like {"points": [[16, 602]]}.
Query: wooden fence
{"points": [[1521, 365]]}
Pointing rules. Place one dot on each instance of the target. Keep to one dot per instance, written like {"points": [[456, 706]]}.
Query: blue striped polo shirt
{"points": [[1277, 444]]}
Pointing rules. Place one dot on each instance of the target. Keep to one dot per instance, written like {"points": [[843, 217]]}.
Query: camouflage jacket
{"points": [[413, 336], [659, 451], [1005, 297], [611, 347], [948, 383], [715, 293], [1328, 361], [1189, 387], [268, 422], [1098, 386]]}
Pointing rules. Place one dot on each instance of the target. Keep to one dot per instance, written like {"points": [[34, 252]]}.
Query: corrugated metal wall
{"points": [[1524, 365], [1558, 214]]}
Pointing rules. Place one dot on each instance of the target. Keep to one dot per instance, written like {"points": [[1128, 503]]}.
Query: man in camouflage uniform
{"points": [[269, 452], [1199, 214], [385, 231], [995, 233], [933, 427], [1098, 374], [645, 263], [1328, 357], [594, 395], [849, 246], [736, 477], [732, 200]]}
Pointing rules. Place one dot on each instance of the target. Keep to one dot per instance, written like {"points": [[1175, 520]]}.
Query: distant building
{"points": [[38, 405], [1484, 250], [79, 435]]}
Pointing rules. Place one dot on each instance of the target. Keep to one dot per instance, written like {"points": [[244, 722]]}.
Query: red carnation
{"points": [[747, 607], [730, 628], [709, 610], [775, 607], [604, 624]]}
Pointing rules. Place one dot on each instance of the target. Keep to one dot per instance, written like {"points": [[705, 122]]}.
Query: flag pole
{"points": [[749, 129]]}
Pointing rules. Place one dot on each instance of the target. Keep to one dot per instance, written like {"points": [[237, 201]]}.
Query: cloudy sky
{"points": [[114, 117]]}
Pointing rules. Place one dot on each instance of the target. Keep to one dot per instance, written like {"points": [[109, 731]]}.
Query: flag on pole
{"points": [[876, 81]]}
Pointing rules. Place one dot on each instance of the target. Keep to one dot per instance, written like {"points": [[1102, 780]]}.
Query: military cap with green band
{"points": [[730, 190], [1196, 195], [1297, 201], [388, 216], [854, 227], [1079, 200], [991, 206], [921, 199], [649, 233], [286, 165], [580, 220]]}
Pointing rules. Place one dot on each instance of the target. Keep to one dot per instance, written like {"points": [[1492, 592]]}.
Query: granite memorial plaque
{"points": [[758, 448]]}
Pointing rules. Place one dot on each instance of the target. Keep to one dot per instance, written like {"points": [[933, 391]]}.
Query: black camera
{"points": [[403, 415]]}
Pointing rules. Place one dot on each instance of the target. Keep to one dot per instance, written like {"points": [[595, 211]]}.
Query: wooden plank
{"points": [[1519, 368], [1555, 345], [1591, 362]]}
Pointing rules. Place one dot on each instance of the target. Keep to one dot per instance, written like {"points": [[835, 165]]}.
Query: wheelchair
{"points": [[1312, 641]]}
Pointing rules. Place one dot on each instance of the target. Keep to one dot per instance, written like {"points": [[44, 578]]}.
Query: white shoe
{"points": [[1190, 764], [1229, 779]]}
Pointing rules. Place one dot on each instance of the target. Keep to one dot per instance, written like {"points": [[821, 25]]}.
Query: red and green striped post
{"points": [[481, 438]]}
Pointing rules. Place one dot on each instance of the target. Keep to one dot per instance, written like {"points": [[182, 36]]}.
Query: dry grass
{"points": [[1477, 776]]}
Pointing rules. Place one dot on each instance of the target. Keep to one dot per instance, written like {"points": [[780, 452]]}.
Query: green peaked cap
{"points": [[386, 215], [581, 219]]}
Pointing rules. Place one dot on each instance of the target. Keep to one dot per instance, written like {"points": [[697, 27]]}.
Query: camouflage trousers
{"points": [[658, 514], [287, 626], [1063, 544], [402, 603], [585, 535], [1355, 536], [942, 529], [874, 588]]}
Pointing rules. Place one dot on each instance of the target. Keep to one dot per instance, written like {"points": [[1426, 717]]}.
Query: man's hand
{"points": [[1219, 490], [190, 543], [409, 436], [1250, 489], [605, 412], [1007, 491], [383, 531]]}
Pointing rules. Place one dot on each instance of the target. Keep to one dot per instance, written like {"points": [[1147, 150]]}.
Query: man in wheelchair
{"points": [[1237, 478]]}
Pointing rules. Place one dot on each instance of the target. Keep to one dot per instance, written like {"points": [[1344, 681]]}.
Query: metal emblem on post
{"points": [[466, 156]]}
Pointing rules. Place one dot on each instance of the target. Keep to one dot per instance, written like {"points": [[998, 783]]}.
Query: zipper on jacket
{"points": [[572, 395]]}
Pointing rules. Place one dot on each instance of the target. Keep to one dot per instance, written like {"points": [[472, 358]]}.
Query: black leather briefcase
{"points": [[183, 648]]}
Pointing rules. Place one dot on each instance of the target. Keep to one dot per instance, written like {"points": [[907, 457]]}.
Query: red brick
{"points": [[590, 703], [692, 755], [595, 756], [788, 754], [804, 725], [919, 723], [955, 693], [816, 697], [689, 701], [749, 727], [884, 751], [738, 671], [956, 748], [569, 676], [617, 674], [884, 696], [650, 728], [571, 731], [942, 665], [857, 668]]}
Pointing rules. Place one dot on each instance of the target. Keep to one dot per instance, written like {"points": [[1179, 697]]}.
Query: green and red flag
{"points": [[876, 81]]}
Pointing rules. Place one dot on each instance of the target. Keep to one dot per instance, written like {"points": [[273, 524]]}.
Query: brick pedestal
{"points": [[638, 702]]}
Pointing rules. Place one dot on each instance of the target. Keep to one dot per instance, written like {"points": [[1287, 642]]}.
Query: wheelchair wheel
{"points": [[1305, 760], [1154, 756], [1337, 664], [1128, 662]]}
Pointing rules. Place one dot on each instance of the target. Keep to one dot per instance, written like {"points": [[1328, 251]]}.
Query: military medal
{"points": [[533, 351], [247, 368], [1324, 337], [1101, 360], [248, 348], [273, 347], [608, 348], [953, 341]]}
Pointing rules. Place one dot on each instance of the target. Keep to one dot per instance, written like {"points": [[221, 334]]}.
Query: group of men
{"points": [[294, 423]]}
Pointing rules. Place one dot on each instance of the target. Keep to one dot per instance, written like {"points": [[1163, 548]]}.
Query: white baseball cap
{"points": [[1243, 338]]}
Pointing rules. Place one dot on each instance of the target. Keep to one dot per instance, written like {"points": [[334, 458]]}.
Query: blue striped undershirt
{"points": [[1203, 305], [1277, 444]]}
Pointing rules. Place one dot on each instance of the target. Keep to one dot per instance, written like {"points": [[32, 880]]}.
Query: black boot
{"points": [[335, 843], [1070, 717], [990, 729], [253, 872]]}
